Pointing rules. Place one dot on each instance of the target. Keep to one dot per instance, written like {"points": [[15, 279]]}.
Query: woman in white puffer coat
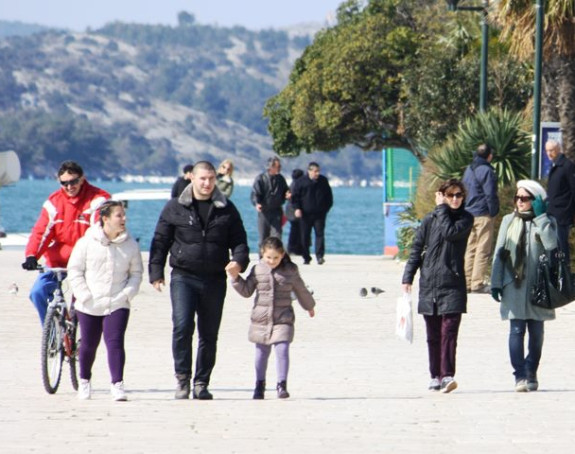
{"points": [[105, 272]]}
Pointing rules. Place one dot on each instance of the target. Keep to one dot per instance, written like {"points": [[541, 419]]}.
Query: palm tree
{"points": [[517, 19]]}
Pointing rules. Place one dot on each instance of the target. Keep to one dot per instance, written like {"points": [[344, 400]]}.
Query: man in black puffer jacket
{"points": [[198, 229]]}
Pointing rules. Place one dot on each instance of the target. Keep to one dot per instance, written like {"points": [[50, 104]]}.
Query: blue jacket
{"points": [[480, 182]]}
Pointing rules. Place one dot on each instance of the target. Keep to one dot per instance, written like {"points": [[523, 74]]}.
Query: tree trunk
{"points": [[566, 88]]}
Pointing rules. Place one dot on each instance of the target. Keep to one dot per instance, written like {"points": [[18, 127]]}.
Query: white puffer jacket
{"points": [[104, 274]]}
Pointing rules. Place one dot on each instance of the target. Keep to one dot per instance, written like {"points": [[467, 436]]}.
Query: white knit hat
{"points": [[532, 187]]}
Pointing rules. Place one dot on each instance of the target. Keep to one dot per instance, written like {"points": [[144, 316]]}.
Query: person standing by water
{"points": [[105, 272], [224, 180], [561, 194], [294, 240], [272, 319], [181, 183], [268, 196], [438, 253], [199, 230], [524, 235], [64, 219], [482, 202], [312, 199]]}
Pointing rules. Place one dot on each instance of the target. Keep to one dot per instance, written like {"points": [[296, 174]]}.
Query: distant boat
{"points": [[143, 194]]}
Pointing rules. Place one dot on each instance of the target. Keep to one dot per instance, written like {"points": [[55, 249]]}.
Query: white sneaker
{"points": [[118, 393], [84, 389]]}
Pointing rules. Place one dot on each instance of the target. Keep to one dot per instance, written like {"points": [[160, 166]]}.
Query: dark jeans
{"points": [[204, 296], [442, 331], [563, 240], [525, 367], [317, 222], [294, 239], [269, 224], [114, 328]]}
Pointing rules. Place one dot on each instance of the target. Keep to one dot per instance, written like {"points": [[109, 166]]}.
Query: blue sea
{"points": [[355, 225]]}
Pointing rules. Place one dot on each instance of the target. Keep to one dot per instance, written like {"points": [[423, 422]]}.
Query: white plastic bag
{"points": [[404, 318]]}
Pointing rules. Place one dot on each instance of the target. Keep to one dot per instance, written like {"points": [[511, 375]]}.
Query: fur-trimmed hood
{"points": [[187, 197]]}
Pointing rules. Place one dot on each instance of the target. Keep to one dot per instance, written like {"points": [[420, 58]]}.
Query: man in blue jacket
{"points": [[482, 202]]}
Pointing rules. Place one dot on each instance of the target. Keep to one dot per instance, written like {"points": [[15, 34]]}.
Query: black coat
{"points": [[269, 191], [194, 249], [312, 196], [561, 191], [438, 252]]}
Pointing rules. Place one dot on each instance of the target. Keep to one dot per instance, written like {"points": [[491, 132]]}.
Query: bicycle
{"points": [[59, 337]]}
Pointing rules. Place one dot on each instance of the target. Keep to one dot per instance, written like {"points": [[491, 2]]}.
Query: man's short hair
{"points": [[204, 165], [313, 165], [271, 162], [188, 168], [71, 167], [484, 150]]}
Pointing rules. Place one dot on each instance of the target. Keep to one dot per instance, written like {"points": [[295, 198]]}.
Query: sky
{"points": [[77, 15]]}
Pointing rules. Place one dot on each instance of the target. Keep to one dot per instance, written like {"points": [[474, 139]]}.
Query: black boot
{"points": [[183, 386], [282, 390], [260, 389]]}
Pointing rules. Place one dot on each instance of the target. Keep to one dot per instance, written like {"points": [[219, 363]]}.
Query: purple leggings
{"points": [[282, 360], [91, 328]]}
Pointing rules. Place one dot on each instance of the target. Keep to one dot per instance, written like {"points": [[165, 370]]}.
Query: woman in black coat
{"points": [[438, 252]]}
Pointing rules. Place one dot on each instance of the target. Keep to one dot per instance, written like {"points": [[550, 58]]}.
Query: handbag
{"points": [[404, 318], [553, 287]]}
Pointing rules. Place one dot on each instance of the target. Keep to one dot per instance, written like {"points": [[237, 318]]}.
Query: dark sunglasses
{"points": [[523, 198], [455, 195], [73, 182]]}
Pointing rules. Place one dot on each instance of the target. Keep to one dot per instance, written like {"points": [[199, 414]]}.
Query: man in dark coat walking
{"points": [[561, 193], [312, 199]]}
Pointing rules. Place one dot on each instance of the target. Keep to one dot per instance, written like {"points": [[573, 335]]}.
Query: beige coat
{"points": [[104, 274], [272, 318]]}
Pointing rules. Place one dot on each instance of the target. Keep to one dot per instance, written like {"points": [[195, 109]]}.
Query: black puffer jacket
{"points": [[193, 249], [438, 252]]}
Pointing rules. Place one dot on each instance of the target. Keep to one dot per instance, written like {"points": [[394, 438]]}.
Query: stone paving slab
{"points": [[355, 387]]}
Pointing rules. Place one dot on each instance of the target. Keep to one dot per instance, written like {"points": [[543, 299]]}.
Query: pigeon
{"points": [[13, 289], [376, 290], [363, 292]]}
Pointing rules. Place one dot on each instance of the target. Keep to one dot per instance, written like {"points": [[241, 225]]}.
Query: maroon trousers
{"points": [[442, 331]]}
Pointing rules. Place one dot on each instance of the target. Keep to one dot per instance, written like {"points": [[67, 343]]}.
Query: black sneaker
{"points": [[320, 261], [282, 390], [201, 392]]}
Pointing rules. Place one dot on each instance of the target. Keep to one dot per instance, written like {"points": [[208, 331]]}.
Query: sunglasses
{"points": [[73, 182], [455, 195], [523, 198]]}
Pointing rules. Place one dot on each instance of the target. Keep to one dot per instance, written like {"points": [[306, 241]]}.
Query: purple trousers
{"points": [[113, 327], [442, 331]]}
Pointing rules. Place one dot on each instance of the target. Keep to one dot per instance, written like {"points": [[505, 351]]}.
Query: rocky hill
{"points": [[146, 99]]}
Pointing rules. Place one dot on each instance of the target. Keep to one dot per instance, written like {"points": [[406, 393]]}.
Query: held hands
{"points": [[406, 288], [31, 264], [539, 206], [496, 294], [233, 269]]}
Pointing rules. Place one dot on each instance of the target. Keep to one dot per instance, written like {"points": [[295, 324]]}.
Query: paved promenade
{"points": [[355, 387]]}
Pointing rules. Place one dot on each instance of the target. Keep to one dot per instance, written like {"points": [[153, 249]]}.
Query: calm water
{"points": [[354, 225]]}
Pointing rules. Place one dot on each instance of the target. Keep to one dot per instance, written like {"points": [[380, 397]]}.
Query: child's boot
{"points": [[282, 390], [260, 389]]}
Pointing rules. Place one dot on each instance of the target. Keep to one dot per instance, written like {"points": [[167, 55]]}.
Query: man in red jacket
{"points": [[64, 218]]}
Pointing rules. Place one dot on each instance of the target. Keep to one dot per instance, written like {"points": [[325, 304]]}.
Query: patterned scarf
{"points": [[515, 243]]}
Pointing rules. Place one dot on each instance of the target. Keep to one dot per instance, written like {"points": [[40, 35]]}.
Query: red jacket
{"points": [[62, 222]]}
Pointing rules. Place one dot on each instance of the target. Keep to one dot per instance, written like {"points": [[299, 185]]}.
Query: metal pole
{"points": [[484, 58], [539, 23]]}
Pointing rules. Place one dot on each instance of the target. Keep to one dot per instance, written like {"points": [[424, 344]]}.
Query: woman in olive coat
{"points": [[524, 235]]}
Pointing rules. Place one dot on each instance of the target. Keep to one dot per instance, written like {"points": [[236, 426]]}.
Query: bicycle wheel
{"points": [[52, 354], [74, 349]]}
